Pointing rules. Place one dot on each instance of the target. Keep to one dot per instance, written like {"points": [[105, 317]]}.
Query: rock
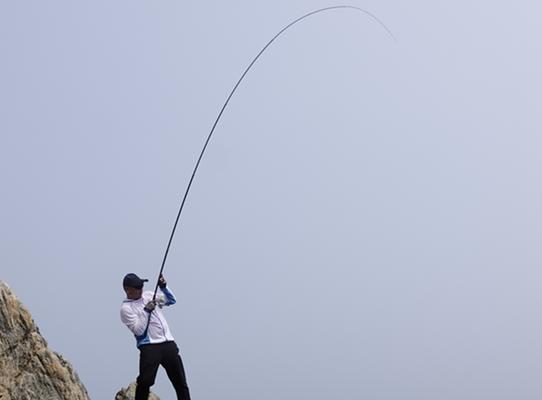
{"points": [[129, 393], [28, 369]]}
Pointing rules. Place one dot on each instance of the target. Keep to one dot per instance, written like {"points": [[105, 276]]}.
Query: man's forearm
{"points": [[170, 297]]}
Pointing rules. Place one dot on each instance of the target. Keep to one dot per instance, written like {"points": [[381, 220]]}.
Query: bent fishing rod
{"points": [[321, 10]]}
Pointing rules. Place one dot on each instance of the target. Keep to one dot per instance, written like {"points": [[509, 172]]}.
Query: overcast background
{"points": [[365, 224]]}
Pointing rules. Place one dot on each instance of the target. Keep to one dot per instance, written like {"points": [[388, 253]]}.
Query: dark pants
{"points": [[150, 358]]}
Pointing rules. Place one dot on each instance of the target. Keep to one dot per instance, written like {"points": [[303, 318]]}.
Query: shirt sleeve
{"points": [[135, 320], [169, 296]]}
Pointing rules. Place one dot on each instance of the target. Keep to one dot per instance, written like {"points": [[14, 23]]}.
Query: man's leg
{"points": [[172, 363], [149, 360]]}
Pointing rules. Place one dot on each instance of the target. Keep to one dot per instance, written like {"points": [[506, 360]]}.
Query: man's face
{"points": [[133, 293]]}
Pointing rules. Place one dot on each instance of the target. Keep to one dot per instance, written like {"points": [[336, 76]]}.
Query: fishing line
{"points": [[347, 7]]}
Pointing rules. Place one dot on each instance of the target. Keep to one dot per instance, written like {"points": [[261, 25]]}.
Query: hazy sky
{"points": [[366, 223]]}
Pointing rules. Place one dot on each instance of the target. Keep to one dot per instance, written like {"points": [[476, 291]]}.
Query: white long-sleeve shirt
{"points": [[133, 315]]}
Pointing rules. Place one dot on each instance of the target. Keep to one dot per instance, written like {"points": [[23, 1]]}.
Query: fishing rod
{"points": [[321, 10]]}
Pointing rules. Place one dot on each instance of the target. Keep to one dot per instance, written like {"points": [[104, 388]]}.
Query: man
{"points": [[154, 340]]}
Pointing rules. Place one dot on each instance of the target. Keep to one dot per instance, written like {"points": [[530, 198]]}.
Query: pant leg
{"points": [[149, 360], [172, 363]]}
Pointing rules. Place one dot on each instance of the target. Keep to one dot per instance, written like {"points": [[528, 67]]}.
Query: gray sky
{"points": [[366, 221]]}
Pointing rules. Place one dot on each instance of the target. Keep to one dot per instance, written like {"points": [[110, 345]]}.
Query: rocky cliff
{"points": [[28, 369]]}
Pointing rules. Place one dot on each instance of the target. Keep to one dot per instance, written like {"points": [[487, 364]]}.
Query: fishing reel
{"points": [[160, 302]]}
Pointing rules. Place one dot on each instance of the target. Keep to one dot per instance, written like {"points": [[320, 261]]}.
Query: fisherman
{"points": [[154, 340]]}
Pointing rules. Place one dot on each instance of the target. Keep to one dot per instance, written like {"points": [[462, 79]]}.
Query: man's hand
{"points": [[162, 282], [150, 306]]}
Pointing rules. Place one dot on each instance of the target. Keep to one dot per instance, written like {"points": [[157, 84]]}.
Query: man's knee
{"points": [[145, 381]]}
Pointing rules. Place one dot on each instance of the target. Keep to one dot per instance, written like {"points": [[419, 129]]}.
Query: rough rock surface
{"points": [[28, 369], [129, 393]]}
